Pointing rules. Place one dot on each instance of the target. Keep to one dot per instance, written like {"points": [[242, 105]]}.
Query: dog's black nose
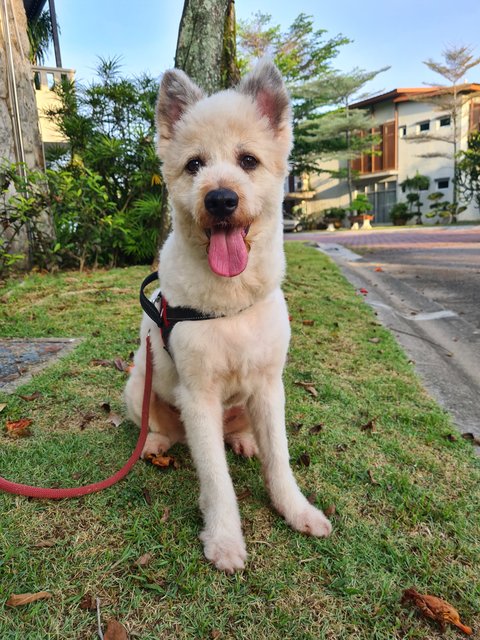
{"points": [[221, 203]]}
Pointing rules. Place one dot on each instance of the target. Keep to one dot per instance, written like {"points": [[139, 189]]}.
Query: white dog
{"points": [[224, 162]]}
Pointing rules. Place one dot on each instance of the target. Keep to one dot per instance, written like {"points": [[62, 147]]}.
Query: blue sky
{"points": [[401, 34]]}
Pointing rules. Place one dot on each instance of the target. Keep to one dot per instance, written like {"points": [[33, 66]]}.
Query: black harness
{"points": [[165, 316]]}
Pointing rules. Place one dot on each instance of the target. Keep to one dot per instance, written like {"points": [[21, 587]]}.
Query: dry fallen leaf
{"points": [[162, 461], [368, 426], [308, 386], [99, 362], [330, 510], [18, 428], [115, 631], [378, 269], [34, 396], [372, 479], [88, 603], [2, 406], [304, 459], [374, 340], [146, 495], [165, 515], [120, 364], [145, 560], [115, 419], [17, 600], [436, 609], [315, 429], [308, 323]]}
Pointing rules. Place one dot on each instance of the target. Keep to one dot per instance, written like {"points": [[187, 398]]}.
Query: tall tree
{"points": [[206, 45], [468, 170], [342, 133], [40, 36], [302, 53], [450, 99]]}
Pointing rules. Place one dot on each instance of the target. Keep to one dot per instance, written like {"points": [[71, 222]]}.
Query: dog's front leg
{"points": [[222, 534], [267, 412]]}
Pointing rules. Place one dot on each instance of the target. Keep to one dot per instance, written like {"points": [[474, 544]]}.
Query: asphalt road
{"points": [[424, 285]]}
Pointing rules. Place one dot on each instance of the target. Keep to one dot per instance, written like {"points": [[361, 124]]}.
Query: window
{"points": [[402, 131], [442, 183], [424, 126], [445, 121]]}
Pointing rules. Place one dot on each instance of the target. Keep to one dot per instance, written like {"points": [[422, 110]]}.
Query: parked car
{"points": [[291, 223]]}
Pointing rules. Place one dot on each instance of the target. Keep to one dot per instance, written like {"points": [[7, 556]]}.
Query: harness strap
{"points": [[165, 316]]}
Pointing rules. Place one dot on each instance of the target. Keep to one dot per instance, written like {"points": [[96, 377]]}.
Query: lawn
{"points": [[366, 442]]}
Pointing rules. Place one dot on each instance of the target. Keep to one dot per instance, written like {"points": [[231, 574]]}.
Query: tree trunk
{"points": [[206, 48]]}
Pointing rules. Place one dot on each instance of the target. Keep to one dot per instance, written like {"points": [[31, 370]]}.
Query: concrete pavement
{"points": [[441, 339]]}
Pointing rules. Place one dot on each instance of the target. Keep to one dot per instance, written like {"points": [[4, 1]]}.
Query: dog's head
{"points": [[225, 160]]}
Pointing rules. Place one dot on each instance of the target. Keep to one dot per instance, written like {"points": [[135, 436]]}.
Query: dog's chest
{"points": [[230, 354]]}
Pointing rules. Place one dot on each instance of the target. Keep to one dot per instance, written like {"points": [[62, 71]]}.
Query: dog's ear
{"points": [[176, 95], [266, 86]]}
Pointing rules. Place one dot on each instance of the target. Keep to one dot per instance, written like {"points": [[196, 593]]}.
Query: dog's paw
{"points": [[155, 444], [243, 444], [311, 521], [228, 553]]}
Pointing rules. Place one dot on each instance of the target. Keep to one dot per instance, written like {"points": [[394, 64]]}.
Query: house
{"points": [[415, 136]]}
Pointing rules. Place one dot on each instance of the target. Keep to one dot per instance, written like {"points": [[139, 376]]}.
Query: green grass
{"points": [[406, 498]]}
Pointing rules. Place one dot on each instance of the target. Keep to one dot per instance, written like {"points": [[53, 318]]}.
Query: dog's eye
{"points": [[194, 165], [248, 162]]}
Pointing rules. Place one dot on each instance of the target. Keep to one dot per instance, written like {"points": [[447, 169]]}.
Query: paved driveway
{"points": [[424, 284], [441, 263]]}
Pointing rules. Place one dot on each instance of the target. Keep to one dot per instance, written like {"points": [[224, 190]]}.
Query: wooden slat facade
{"points": [[387, 160]]}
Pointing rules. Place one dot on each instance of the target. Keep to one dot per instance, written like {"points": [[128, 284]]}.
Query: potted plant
{"points": [[400, 213], [360, 208], [334, 217]]}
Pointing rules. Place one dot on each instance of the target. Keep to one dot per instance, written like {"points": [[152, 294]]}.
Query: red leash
{"points": [[75, 492]]}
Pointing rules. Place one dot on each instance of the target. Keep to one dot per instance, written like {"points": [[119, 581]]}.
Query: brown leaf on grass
{"points": [[295, 426], [34, 396], [368, 426], [165, 515], [88, 603], [99, 362], [162, 461], [115, 631], [85, 419], [19, 599], [330, 511], [120, 364], [145, 560], [308, 386], [45, 544], [18, 428], [246, 493], [450, 437], [115, 419], [146, 495], [372, 479], [472, 437], [374, 340], [436, 609], [316, 429], [308, 323], [215, 634], [304, 459], [312, 497]]}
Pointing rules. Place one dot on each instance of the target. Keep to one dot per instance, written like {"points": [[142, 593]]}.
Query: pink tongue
{"points": [[227, 255]]}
